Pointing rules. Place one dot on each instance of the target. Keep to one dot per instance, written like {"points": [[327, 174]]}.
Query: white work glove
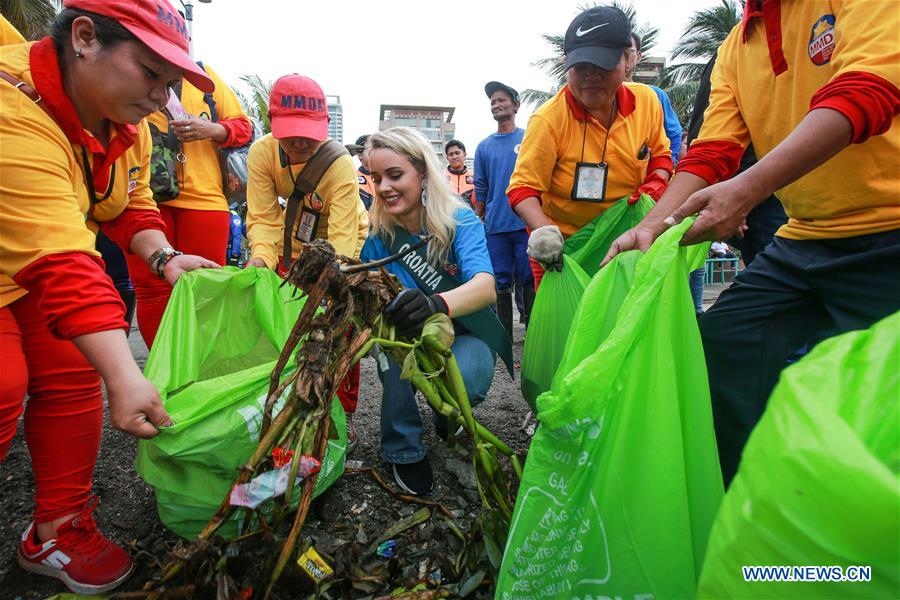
{"points": [[545, 245]]}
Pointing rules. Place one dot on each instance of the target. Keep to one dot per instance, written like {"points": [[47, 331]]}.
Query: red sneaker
{"points": [[80, 556]]}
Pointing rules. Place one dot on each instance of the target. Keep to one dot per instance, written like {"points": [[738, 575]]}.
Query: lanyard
{"points": [[606, 140], [89, 179]]}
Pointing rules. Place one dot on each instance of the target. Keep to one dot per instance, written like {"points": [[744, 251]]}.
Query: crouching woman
{"points": [[452, 274]]}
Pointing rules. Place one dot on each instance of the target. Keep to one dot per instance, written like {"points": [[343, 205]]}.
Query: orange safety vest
{"points": [[462, 184]]}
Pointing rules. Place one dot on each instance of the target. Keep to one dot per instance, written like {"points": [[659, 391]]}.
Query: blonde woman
{"points": [[452, 274]]}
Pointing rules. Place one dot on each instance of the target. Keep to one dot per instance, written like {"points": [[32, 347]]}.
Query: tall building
{"points": [[649, 69], [434, 122], [336, 112]]}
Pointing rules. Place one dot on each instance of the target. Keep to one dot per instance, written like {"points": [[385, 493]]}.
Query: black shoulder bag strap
{"points": [[208, 98], [483, 324], [307, 181]]}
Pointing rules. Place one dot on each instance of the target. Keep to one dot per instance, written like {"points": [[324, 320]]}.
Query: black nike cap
{"points": [[597, 36]]}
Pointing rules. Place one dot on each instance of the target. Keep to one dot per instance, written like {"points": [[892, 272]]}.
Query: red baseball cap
{"points": [[158, 26], [297, 108]]}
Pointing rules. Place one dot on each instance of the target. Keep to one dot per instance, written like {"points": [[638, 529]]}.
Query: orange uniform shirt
{"points": [[462, 184], [44, 200], [343, 220], [553, 144], [787, 58], [201, 178]]}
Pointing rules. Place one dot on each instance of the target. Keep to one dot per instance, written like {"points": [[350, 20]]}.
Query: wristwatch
{"points": [[158, 259]]}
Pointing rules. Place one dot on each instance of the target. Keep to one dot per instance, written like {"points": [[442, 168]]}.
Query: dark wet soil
{"points": [[344, 521]]}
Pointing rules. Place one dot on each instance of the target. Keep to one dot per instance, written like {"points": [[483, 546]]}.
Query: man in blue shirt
{"points": [[507, 239], [670, 119]]}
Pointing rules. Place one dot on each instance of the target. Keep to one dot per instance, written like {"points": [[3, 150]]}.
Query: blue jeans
{"points": [[401, 424], [509, 258], [696, 281]]}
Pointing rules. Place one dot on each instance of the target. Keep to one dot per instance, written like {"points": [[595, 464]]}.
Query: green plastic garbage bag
{"points": [[560, 292], [217, 344], [551, 316], [588, 246], [622, 479], [819, 481]]}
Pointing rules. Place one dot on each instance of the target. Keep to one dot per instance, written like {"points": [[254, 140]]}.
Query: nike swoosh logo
{"points": [[579, 32]]}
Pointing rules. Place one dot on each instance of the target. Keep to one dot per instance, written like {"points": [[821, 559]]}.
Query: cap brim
{"points": [[495, 86], [175, 55], [288, 127], [599, 56]]}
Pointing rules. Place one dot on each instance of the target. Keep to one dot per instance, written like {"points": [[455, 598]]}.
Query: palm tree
{"points": [[553, 65], [31, 17], [706, 31], [256, 105]]}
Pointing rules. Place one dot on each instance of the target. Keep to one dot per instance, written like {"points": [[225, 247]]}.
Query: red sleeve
{"points": [[712, 161], [122, 228], [660, 162], [869, 102], [521, 193], [74, 293], [239, 131]]}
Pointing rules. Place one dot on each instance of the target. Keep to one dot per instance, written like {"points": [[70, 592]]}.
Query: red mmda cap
{"points": [[297, 108], [158, 26]]}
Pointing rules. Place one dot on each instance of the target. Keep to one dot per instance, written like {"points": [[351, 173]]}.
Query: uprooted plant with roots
{"points": [[342, 295]]}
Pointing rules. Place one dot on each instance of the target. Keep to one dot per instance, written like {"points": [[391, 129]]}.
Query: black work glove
{"points": [[411, 308]]}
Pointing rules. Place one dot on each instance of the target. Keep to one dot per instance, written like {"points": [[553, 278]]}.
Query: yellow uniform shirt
{"points": [[200, 180], [8, 33], [553, 144], [343, 219], [44, 203], [856, 192]]}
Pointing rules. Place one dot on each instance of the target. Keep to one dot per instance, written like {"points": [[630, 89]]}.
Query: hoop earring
{"points": [[424, 196]]}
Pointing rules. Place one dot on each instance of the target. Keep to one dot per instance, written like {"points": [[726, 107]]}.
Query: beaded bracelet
{"points": [[158, 259]]}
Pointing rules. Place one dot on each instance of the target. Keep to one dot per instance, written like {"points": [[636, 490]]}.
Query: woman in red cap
{"points": [[198, 219], [73, 161], [333, 211]]}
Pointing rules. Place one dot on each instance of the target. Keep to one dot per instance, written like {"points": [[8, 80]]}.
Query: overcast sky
{"points": [[402, 51]]}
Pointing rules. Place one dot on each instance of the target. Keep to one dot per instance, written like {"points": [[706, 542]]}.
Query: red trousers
{"points": [[64, 412], [200, 232], [537, 270], [348, 392]]}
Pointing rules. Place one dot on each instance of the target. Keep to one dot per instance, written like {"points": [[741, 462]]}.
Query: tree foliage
{"points": [[256, 104], [31, 17], [706, 31]]}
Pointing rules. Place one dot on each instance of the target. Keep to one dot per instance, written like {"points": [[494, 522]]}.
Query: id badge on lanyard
{"points": [[309, 223], [590, 178], [590, 182]]}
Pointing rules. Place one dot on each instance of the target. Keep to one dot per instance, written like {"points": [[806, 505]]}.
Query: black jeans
{"points": [[793, 293]]}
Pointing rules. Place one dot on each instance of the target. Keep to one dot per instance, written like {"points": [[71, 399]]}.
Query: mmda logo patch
{"points": [[821, 40]]}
